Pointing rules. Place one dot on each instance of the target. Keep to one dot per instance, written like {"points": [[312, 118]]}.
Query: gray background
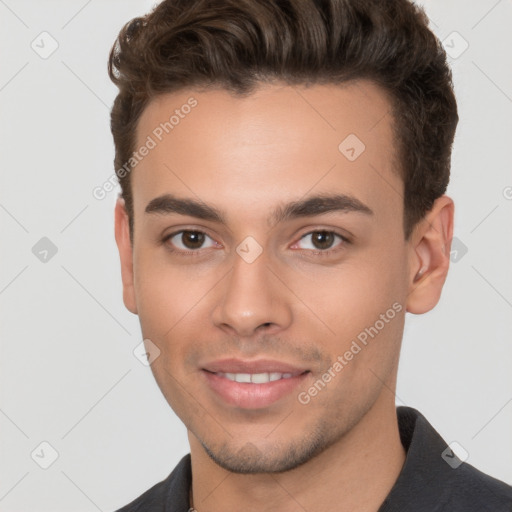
{"points": [[68, 374]]}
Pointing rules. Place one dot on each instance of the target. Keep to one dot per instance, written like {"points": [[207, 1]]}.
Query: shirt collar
{"points": [[426, 472]]}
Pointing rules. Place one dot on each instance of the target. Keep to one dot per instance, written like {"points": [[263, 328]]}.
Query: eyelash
{"points": [[326, 252], [195, 253]]}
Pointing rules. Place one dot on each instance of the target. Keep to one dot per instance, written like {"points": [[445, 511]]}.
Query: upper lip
{"points": [[256, 366]]}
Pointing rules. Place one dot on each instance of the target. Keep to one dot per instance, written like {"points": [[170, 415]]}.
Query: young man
{"points": [[283, 165]]}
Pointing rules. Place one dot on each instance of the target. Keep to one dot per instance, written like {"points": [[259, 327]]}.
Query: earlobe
{"points": [[430, 256], [122, 235]]}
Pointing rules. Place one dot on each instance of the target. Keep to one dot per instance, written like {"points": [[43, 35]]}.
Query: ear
{"points": [[429, 260], [122, 233]]}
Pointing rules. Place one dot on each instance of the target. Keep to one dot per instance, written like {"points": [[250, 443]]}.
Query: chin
{"points": [[249, 459]]}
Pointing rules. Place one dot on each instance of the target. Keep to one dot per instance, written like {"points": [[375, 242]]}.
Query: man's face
{"points": [[268, 293]]}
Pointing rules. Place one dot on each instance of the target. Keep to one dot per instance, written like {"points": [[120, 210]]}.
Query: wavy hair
{"points": [[237, 44]]}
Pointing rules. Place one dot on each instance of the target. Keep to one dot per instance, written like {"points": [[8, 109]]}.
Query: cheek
{"points": [[167, 293], [349, 298], [170, 312], [363, 356], [172, 307], [359, 310]]}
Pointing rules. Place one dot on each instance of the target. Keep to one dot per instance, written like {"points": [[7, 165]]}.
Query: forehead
{"points": [[278, 143]]}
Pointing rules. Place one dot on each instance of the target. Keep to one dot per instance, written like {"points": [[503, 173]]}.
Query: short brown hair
{"points": [[236, 44]]}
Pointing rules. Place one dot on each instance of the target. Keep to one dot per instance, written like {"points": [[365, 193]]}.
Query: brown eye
{"points": [[192, 239], [322, 239], [189, 240]]}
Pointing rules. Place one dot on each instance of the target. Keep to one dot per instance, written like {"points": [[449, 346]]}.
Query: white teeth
{"points": [[255, 378], [260, 378]]}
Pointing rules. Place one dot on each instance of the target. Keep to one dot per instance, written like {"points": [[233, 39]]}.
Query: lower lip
{"points": [[252, 396]]}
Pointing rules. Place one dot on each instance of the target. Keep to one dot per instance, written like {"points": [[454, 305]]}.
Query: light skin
{"points": [[302, 301]]}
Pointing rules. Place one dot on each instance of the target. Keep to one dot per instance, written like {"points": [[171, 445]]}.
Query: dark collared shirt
{"points": [[432, 479]]}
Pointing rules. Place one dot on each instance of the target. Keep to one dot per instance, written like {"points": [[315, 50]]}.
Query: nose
{"points": [[252, 298]]}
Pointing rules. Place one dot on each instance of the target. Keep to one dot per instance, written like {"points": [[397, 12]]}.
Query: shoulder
{"points": [[169, 495], [476, 490], [434, 479]]}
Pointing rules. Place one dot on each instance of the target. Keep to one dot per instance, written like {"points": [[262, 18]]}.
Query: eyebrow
{"points": [[310, 206]]}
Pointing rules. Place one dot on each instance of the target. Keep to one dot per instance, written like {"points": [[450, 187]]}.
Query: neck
{"points": [[355, 473]]}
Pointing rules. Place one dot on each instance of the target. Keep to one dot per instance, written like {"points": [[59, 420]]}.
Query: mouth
{"points": [[252, 385], [255, 378]]}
